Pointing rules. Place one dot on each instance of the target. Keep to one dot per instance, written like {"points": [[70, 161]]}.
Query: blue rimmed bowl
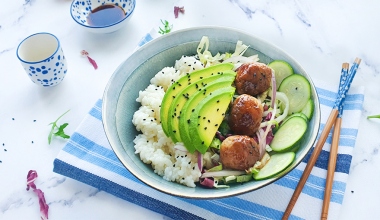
{"points": [[80, 11], [134, 75]]}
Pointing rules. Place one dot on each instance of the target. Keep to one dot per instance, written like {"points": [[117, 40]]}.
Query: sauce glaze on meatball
{"points": [[246, 115], [253, 78], [239, 152]]}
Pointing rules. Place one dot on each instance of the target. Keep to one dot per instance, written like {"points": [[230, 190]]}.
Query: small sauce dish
{"points": [[102, 16]]}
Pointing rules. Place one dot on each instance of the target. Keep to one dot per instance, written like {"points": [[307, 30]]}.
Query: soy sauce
{"points": [[105, 15]]}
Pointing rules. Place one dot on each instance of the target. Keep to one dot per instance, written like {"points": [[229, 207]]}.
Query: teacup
{"points": [[42, 57]]}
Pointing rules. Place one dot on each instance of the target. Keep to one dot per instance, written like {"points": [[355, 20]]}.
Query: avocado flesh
{"points": [[207, 117], [199, 86], [181, 84], [192, 103]]}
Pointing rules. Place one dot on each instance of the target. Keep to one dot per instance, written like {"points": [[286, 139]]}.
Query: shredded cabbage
{"points": [[236, 58], [285, 101]]}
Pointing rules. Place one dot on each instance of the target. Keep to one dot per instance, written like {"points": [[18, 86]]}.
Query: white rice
{"points": [[166, 158]]}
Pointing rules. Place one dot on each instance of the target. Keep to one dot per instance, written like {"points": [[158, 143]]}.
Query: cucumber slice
{"points": [[281, 69], [308, 110], [298, 114], [276, 164], [297, 89], [289, 134], [243, 178]]}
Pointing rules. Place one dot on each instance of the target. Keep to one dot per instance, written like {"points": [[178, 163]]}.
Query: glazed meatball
{"points": [[239, 152], [253, 78], [246, 115]]}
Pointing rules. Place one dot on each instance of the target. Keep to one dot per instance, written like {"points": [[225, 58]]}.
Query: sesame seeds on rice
{"points": [[152, 145]]}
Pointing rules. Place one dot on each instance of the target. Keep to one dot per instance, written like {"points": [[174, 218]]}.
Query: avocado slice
{"points": [[207, 117], [182, 97], [192, 103], [181, 84]]}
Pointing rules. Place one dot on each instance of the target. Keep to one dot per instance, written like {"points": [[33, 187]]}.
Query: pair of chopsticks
{"points": [[334, 118]]}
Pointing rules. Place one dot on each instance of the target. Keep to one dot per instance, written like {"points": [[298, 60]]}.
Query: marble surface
{"points": [[320, 35]]}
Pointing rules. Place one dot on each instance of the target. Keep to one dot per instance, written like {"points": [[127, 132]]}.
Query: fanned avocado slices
{"points": [[181, 84], [207, 117], [191, 105], [226, 78]]}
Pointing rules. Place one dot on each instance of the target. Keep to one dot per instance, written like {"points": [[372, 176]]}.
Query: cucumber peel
{"points": [[281, 69], [298, 90], [277, 163], [308, 110], [289, 134]]}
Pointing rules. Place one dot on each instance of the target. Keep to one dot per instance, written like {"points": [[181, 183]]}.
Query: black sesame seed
{"points": [[216, 125], [173, 165], [144, 119], [188, 121]]}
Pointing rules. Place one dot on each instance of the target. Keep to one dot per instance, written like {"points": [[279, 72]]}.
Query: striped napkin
{"points": [[88, 158]]}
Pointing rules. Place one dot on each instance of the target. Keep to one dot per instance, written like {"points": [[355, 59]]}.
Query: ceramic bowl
{"points": [[80, 11], [134, 74]]}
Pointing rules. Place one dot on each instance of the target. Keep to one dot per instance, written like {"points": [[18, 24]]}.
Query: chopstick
{"points": [[344, 86], [333, 154]]}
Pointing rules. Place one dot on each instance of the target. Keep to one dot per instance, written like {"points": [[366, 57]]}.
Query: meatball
{"points": [[246, 115], [239, 152], [253, 78]]}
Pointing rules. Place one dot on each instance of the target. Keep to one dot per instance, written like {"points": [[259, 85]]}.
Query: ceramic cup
{"points": [[42, 57]]}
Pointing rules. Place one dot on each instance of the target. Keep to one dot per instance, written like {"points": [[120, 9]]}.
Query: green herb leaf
{"points": [[166, 29], [60, 132], [373, 116]]}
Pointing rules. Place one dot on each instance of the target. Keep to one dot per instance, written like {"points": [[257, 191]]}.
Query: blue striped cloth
{"points": [[88, 158]]}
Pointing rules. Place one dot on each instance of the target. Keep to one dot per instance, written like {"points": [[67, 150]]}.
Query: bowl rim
{"points": [[219, 193], [106, 26]]}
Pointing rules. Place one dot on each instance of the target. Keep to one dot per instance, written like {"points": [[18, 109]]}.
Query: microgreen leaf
{"points": [[166, 29], [60, 131], [374, 116]]}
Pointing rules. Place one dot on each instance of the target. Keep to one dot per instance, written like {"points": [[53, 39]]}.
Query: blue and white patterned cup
{"points": [[42, 57]]}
